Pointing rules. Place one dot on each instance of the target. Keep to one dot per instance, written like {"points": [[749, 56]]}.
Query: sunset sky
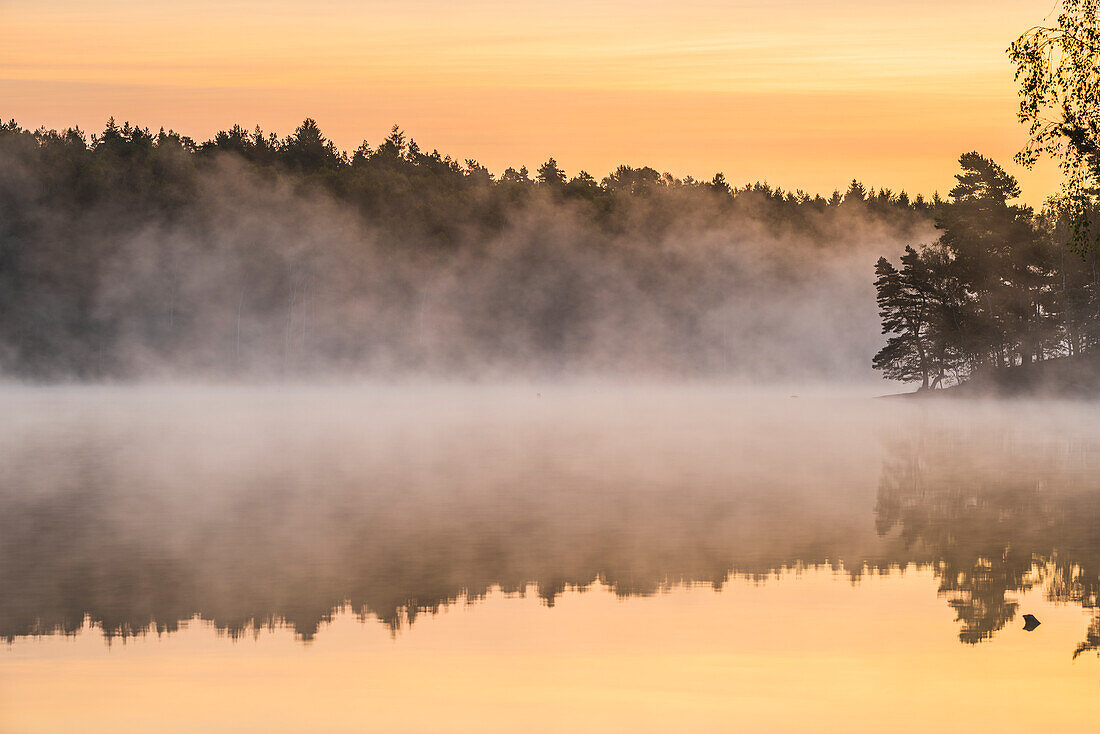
{"points": [[801, 93]]}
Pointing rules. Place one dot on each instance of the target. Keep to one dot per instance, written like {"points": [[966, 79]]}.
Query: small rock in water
{"points": [[1030, 622]]}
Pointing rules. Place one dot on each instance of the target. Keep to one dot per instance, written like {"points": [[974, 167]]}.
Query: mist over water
{"points": [[139, 508]]}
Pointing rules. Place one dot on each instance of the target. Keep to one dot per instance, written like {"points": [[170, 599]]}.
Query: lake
{"points": [[545, 558]]}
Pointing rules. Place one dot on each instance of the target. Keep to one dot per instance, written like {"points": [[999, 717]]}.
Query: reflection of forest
{"points": [[124, 527], [997, 513], [295, 551]]}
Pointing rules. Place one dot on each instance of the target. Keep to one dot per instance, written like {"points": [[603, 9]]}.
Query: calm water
{"points": [[544, 559]]}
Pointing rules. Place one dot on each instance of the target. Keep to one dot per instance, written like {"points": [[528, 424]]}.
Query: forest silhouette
{"points": [[1003, 288], [138, 254], [999, 288], [133, 253]]}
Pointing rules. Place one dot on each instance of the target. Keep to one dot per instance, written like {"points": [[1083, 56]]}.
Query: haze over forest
{"points": [[136, 254], [132, 254]]}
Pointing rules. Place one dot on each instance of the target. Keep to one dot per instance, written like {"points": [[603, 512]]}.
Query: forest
{"points": [[998, 288], [138, 254], [1004, 289], [131, 254]]}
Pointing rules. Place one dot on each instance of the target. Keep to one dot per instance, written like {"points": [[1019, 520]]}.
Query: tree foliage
{"points": [[131, 252], [994, 290], [1058, 69]]}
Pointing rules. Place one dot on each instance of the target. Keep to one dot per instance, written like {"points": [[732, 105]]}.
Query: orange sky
{"points": [[802, 93]]}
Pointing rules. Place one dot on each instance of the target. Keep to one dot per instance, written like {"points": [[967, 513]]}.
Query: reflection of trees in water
{"points": [[295, 537], [996, 514], [136, 549], [382, 563]]}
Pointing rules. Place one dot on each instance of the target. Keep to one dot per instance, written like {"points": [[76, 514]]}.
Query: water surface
{"points": [[544, 558]]}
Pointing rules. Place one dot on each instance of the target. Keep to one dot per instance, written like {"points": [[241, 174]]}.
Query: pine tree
{"points": [[904, 310]]}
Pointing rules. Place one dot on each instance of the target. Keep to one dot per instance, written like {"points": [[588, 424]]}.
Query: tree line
{"points": [[131, 252], [1003, 286], [154, 167], [998, 288]]}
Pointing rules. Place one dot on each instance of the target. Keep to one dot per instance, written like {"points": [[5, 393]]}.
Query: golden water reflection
{"points": [[801, 651]]}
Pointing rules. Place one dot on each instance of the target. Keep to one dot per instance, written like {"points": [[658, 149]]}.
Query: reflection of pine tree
{"points": [[1092, 638], [977, 594], [994, 517]]}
